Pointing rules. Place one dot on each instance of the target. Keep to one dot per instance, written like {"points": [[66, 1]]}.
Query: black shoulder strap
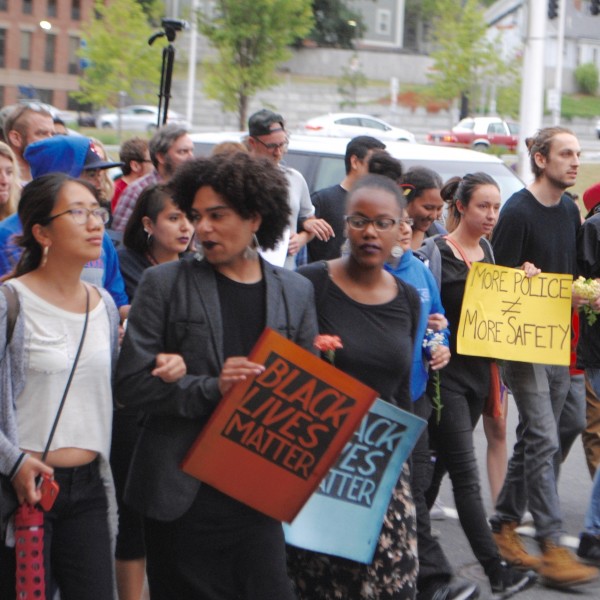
{"points": [[488, 246], [12, 310]]}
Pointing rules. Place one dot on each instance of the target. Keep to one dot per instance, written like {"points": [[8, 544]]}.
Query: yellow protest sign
{"points": [[509, 316]]}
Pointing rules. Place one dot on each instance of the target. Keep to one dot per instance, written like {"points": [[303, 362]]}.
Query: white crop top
{"points": [[52, 336]]}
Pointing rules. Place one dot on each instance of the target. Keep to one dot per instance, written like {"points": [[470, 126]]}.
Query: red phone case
{"points": [[49, 489]]}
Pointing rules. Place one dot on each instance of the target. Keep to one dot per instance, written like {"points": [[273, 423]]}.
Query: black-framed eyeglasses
{"points": [[81, 215], [380, 223], [283, 146]]}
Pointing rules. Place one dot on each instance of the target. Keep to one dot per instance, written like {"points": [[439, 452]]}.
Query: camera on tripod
{"points": [[176, 24], [170, 29]]}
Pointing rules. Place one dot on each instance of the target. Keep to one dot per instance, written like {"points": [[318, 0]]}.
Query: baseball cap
{"points": [[63, 154], [93, 160], [260, 123], [591, 197]]}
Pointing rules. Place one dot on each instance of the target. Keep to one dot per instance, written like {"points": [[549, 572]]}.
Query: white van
{"points": [[321, 159]]}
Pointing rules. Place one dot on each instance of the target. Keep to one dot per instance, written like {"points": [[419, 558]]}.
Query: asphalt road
{"points": [[574, 489]]}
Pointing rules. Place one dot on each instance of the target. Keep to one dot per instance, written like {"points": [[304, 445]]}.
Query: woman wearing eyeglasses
{"points": [[63, 225], [376, 316]]}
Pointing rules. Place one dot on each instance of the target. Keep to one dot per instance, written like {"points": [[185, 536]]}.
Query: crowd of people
{"points": [[130, 307]]}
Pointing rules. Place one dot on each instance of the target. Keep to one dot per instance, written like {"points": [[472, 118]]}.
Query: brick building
{"points": [[39, 40]]}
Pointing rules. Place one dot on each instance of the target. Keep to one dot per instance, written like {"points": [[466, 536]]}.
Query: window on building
{"points": [[383, 22], [46, 96], [25, 56], [2, 101], [27, 7], [76, 10], [73, 58], [51, 12], [2, 48], [50, 54], [3, 4]]}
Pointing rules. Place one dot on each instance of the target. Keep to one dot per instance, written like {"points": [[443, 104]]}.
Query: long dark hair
{"points": [[35, 207], [150, 203], [463, 188]]}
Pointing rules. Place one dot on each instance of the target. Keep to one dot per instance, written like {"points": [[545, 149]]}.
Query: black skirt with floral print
{"points": [[391, 576]]}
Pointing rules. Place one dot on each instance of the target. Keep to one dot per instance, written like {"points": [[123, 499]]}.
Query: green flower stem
{"points": [[437, 397]]}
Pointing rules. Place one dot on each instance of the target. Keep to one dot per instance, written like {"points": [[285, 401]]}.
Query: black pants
{"points": [[77, 553], [452, 440], [434, 568], [219, 549]]}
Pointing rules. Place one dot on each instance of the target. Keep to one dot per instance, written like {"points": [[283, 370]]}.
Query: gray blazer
{"points": [[176, 309]]}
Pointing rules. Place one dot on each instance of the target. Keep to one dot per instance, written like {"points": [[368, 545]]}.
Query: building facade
{"points": [[39, 41]]}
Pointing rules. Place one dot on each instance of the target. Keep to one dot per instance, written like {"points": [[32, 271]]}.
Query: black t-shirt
{"points": [[243, 310], [378, 339], [462, 372], [588, 262], [132, 265], [543, 235], [330, 204]]}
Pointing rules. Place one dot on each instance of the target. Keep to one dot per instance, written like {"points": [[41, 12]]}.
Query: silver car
{"points": [[137, 117], [350, 125]]}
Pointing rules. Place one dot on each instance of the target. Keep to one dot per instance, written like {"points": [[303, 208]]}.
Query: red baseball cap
{"points": [[591, 197]]}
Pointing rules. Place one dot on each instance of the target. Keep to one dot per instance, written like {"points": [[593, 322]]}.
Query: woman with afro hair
{"points": [[190, 329]]}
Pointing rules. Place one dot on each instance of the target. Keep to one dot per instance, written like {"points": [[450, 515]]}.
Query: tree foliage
{"points": [[251, 37], [463, 56], [120, 59], [336, 26], [586, 77]]}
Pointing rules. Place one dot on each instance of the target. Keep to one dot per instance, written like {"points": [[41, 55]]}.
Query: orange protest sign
{"points": [[272, 438]]}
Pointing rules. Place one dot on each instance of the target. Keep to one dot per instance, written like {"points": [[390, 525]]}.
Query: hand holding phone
{"points": [[49, 489]]}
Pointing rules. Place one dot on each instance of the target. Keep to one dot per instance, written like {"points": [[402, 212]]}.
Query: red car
{"points": [[479, 133]]}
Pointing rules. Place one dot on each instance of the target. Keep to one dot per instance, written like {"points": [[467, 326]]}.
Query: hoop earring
{"points": [[345, 250], [44, 259], [251, 251], [396, 254]]}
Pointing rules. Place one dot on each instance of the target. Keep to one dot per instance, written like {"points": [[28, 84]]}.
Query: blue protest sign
{"points": [[344, 516]]}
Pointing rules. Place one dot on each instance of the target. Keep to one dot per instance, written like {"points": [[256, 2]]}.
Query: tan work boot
{"points": [[512, 550], [560, 568]]}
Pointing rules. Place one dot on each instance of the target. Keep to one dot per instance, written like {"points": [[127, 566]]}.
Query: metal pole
{"points": [[192, 62], [532, 86], [560, 44]]}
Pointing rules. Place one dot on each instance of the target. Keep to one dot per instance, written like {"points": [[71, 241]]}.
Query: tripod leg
{"points": [[170, 55]]}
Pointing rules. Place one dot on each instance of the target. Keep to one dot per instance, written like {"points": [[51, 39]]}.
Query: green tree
{"points": [[586, 77], [250, 37], [336, 26], [463, 55], [120, 59]]}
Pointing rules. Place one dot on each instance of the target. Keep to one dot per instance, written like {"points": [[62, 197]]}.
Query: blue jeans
{"points": [[540, 392], [572, 417], [592, 516]]}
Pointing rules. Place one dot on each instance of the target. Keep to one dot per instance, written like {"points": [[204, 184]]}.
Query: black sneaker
{"points": [[506, 581], [589, 548], [457, 589]]}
